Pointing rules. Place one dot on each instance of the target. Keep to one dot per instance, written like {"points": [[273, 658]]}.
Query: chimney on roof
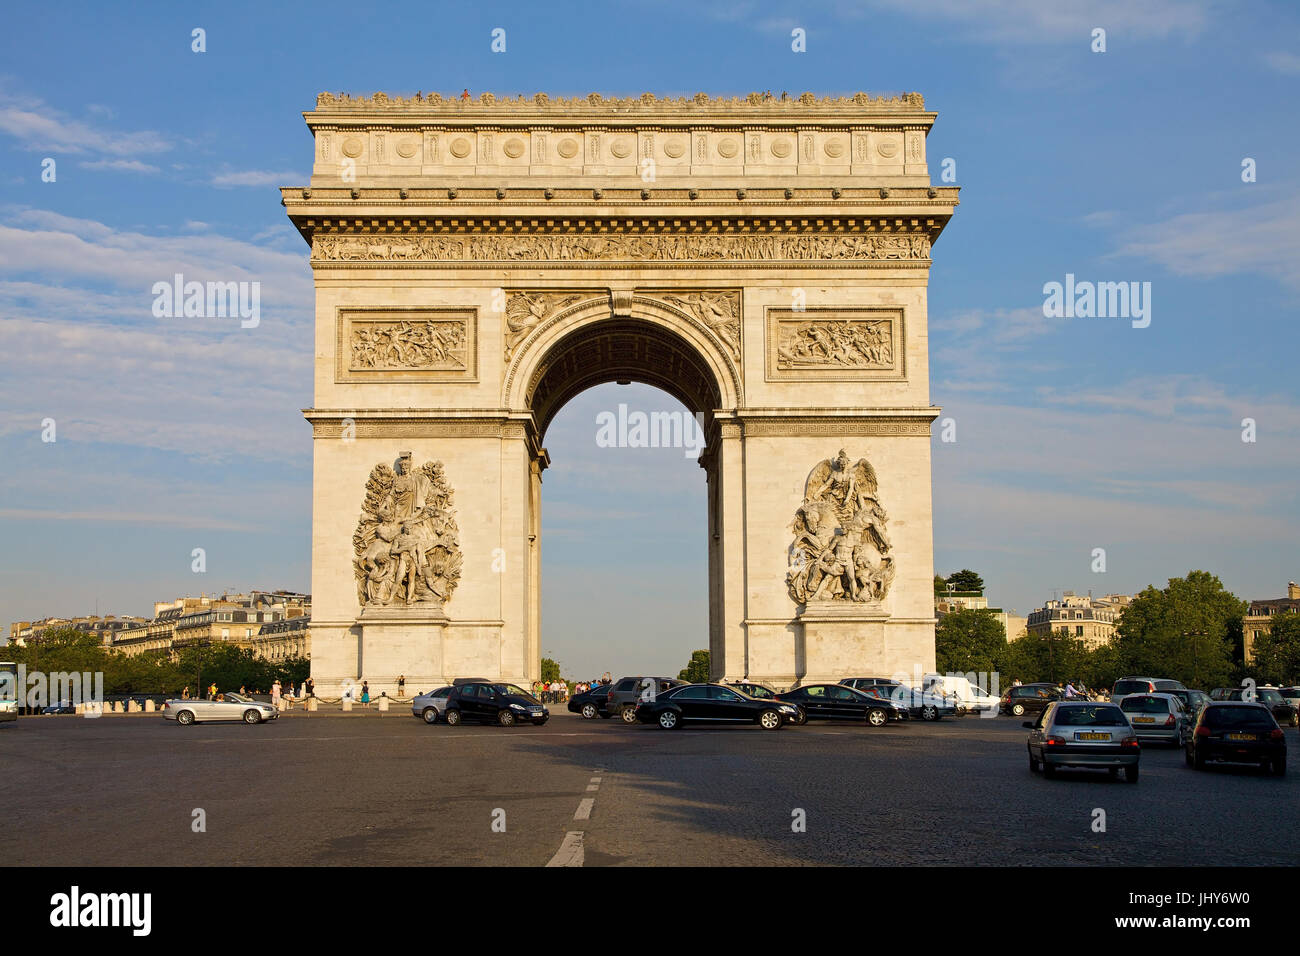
{"points": [[1293, 591]]}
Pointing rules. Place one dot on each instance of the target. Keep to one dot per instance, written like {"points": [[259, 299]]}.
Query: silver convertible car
{"points": [[225, 707]]}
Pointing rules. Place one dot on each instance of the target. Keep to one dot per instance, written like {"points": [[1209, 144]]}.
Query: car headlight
{"points": [[788, 710], [517, 707]]}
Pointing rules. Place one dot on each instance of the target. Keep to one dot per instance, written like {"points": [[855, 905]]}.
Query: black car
{"points": [[626, 692], [591, 703], [837, 702], [712, 704], [763, 692], [1028, 698], [1284, 712], [1193, 700], [493, 702], [1237, 732]]}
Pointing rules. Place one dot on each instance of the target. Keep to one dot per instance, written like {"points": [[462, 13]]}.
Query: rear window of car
{"points": [[628, 684], [1145, 705], [1219, 717], [1131, 687], [1068, 715], [1168, 685]]}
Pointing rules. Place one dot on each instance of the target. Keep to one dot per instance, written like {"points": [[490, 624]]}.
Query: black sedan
{"points": [[486, 702], [837, 702], [763, 692], [1237, 732], [712, 704], [591, 703]]}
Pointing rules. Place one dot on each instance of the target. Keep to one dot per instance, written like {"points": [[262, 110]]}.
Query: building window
{"points": [[1078, 631]]}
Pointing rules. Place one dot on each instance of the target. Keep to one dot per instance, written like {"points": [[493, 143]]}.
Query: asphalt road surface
{"points": [[362, 789]]}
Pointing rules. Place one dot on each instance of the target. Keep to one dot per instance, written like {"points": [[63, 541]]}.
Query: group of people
{"points": [[1074, 690], [278, 692], [551, 692]]}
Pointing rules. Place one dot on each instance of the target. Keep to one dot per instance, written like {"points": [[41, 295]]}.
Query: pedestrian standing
{"points": [[212, 691], [275, 694], [311, 687], [365, 695], [401, 685]]}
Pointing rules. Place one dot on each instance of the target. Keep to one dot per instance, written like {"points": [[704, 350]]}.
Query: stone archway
{"points": [[479, 264]]}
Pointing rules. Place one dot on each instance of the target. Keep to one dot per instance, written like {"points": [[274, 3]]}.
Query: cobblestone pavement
{"points": [[362, 789]]}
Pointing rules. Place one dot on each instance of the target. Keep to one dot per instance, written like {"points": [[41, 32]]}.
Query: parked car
{"points": [[504, 704], [1237, 732], [1283, 710], [1083, 734], [763, 692], [62, 707], [1142, 685], [591, 703], [1192, 701], [626, 692], [225, 707], [1028, 699], [837, 702], [712, 704], [431, 706], [1158, 717], [862, 683], [1291, 695]]}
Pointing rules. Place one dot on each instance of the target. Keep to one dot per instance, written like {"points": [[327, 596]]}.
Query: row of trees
{"points": [[155, 672], [1190, 630]]}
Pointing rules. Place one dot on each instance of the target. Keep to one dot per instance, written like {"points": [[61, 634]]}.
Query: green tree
{"points": [[1054, 656], [940, 585], [966, 580], [1186, 631], [697, 671], [1277, 653], [550, 670], [969, 640]]}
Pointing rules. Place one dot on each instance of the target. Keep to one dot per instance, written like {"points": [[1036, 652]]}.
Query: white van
{"points": [[969, 695]]}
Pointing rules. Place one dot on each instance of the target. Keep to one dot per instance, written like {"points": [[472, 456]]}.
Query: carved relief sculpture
{"points": [[719, 310], [841, 549], [569, 247], [835, 344], [526, 310], [407, 543], [436, 345]]}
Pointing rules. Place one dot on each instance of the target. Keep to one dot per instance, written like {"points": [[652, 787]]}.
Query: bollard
{"points": [[347, 705], [311, 704], [383, 705], [149, 707]]}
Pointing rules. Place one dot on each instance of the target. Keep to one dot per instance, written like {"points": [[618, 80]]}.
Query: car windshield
{"points": [[1228, 717], [512, 691], [235, 698], [1101, 715], [1269, 696], [1145, 705], [1131, 687]]}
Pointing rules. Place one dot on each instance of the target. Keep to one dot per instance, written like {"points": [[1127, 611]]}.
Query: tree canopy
{"points": [[697, 671]]}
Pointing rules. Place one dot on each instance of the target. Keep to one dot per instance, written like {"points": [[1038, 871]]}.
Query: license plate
{"points": [[1144, 720], [1241, 736], [1090, 736]]}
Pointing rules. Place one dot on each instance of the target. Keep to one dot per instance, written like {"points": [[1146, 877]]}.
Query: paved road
{"points": [[370, 790]]}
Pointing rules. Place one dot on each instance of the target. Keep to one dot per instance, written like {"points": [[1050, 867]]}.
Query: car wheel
{"points": [[1131, 774], [453, 718], [185, 717], [506, 718], [1279, 766], [929, 712], [430, 715], [1033, 763], [589, 711], [769, 720], [628, 715], [252, 717], [668, 720], [1017, 710], [877, 717]]}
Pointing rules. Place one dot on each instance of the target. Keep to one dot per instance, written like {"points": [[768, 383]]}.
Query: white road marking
{"points": [[592, 786], [584, 809], [570, 852]]}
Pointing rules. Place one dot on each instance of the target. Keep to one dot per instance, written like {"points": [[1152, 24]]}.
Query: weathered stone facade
{"points": [[478, 263]]}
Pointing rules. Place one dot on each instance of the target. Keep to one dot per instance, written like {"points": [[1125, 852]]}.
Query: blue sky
{"points": [[1072, 434]]}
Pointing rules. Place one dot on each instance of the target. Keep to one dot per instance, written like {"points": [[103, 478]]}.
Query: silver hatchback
{"points": [[1158, 717], [1083, 734], [431, 707]]}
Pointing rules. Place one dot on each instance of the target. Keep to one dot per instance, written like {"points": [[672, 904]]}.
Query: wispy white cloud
{"points": [[256, 177], [1283, 62], [36, 125], [120, 165]]}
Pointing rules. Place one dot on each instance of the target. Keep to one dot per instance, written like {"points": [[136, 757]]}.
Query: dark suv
{"points": [[1237, 732], [493, 702], [1028, 698], [627, 692]]}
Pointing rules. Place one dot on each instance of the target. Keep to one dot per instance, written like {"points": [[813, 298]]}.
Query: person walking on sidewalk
{"points": [[275, 694]]}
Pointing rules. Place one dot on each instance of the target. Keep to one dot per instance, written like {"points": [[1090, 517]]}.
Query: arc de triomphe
{"points": [[479, 262]]}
